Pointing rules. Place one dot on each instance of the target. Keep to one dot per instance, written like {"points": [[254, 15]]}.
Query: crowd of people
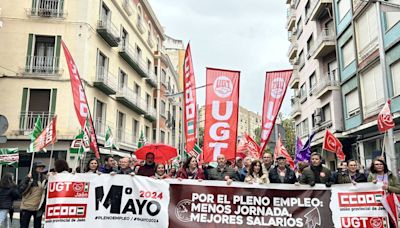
{"points": [[32, 189]]}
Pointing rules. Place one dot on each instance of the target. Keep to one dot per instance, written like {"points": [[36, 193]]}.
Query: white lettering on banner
{"points": [[216, 110], [59, 186], [224, 133], [217, 148], [268, 125]]}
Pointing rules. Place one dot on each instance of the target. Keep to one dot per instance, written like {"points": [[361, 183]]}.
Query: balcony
{"points": [[317, 8], [151, 114], [130, 99], [291, 18], [295, 79], [152, 79], [140, 26], [27, 120], [324, 45], [325, 85], [100, 127], [292, 52], [126, 138], [105, 81], [109, 32], [150, 42], [42, 65], [130, 56], [296, 108], [47, 8]]}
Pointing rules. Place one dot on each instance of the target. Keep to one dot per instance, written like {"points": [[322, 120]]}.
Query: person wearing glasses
{"points": [[379, 173]]}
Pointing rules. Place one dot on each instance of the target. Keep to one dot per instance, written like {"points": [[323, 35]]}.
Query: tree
{"points": [[288, 125]]}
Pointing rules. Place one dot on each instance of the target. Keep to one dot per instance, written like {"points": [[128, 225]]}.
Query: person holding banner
{"points": [[109, 165], [8, 193], [379, 172], [256, 174], [148, 169], [191, 170], [316, 173], [61, 166], [160, 172], [222, 172], [125, 167], [245, 170], [267, 162], [351, 175], [92, 166], [33, 191], [282, 173]]}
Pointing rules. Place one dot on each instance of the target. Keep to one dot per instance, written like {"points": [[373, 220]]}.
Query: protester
{"points": [[351, 175], [8, 193], [172, 172], [61, 166], [148, 169], [282, 173], [342, 168], [222, 172], [109, 165], [191, 170], [124, 167], [238, 164], [268, 162], [132, 162], [245, 170], [255, 174], [33, 190], [159, 172], [92, 166], [316, 173], [301, 165], [379, 173]]}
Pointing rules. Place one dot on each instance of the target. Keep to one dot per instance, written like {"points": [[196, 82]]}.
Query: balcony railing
{"points": [[316, 8], [296, 108], [105, 81], [325, 43], [126, 137], [131, 99], [294, 81], [134, 60], [368, 50], [100, 127], [47, 8], [27, 120], [151, 113], [291, 18], [140, 26], [42, 65], [325, 84], [109, 32], [152, 78], [292, 50]]}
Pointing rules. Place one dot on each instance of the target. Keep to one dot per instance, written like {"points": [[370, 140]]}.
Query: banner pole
{"points": [[51, 155], [33, 158], [77, 157]]}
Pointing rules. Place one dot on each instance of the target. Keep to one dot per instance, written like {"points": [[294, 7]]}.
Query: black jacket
{"points": [[290, 176], [7, 197]]}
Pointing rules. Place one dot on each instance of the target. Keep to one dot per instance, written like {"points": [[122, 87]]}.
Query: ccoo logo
{"points": [[223, 86]]}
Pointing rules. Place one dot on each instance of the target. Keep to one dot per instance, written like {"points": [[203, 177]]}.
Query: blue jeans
{"points": [[3, 218]]}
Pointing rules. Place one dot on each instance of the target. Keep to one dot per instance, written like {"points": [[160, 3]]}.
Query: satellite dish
{"points": [[3, 124]]}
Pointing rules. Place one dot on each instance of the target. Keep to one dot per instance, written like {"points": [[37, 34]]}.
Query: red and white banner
{"points": [[385, 118], [189, 101], [276, 83], [80, 101], [48, 136], [221, 115], [248, 146], [332, 144]]}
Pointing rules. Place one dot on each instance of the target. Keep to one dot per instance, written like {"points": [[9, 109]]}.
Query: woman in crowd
{"points": [[301, 165], [351, 175], [8, 193], [255, 174], [61, 166], [160, 172], [379, 172], [191, 170], [172, 172], [92, 166]]}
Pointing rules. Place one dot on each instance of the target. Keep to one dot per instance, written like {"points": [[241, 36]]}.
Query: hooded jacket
{"points": [[33, 191]]}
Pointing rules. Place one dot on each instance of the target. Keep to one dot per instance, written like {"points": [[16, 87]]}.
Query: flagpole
{"points": [[51, 155], [33, 158], [77, 157]]}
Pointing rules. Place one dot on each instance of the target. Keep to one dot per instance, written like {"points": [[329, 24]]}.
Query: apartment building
{"points": [[117, 46], [316, 105], [360, 70]]}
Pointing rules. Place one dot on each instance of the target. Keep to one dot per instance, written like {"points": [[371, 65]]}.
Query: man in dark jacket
{"points": [[124, 167], [148, 169], [282, 173], [109, 165], [222, 172], [351, 175], [316, 173]]}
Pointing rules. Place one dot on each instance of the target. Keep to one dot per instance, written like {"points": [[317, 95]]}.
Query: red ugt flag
{"points": [[385, 118], [221, 116], [332, 144], [80, 101], [281, 150], [276, 83]]}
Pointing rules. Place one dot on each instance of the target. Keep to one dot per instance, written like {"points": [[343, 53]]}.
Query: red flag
{"points": [[80, 101], [48, 136], [391, 203], [385, 118], [189, 103], [281, 150], [332, 144], [276, 83], [221, 116], [248, 146]]}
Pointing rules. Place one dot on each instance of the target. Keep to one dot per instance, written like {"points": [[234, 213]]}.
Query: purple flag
{"points": [[304, 154], [299, 146]]}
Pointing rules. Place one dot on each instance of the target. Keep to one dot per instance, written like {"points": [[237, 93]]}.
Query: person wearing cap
{"points": [[282, 173], [33, 190], [316, 173]]}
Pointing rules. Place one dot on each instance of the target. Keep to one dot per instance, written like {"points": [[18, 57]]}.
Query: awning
{"points": [[115, 152]]}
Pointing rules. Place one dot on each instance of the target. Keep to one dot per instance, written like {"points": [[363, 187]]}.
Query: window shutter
{"points": [[29, 52], [53, 101], [57, 55], [23, 108]]}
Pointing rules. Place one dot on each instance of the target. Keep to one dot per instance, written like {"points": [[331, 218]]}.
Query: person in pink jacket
{"points": [[191, 170]]}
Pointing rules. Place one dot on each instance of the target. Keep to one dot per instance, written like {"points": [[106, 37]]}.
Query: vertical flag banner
{"points": [[109, 140], [385, 118], [304, 152], [9, 156], [281, 150], [80, 101], [189, 101], [276, 83], [221, 115], [77, 146], [37, 129], [332, 144], [46, 137]]}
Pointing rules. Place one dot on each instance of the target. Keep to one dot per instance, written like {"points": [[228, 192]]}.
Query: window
{"points": [[148, 100], [149, 32], [307, 8], [120, 126], [313, 81], [102, 66], [298, 129], [372, 90], [299, 27], [43, 54], [326, 113], [301, 59], [100, 117], [344, 7], [139, 15], [352, 103], [303, 92], [163, 76], [392, 18], [367, 32], [105, 14], [154, 134], [162, 111], [135, 129], [148, 65], [122, 79], [147, 132], [162, 136], [155, 103], [138, 52], [313, 120], [124, 38], [137, 89], [48, 8], [395, 70], [310, 44], [304, 127], [348, 52]]}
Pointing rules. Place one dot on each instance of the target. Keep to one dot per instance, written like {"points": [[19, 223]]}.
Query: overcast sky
{"points": [[244, 35]]}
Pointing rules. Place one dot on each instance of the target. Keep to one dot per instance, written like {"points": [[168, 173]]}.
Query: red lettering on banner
{"points": [[68, 190], [364, 222], [360, 199], [66, 211]]}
